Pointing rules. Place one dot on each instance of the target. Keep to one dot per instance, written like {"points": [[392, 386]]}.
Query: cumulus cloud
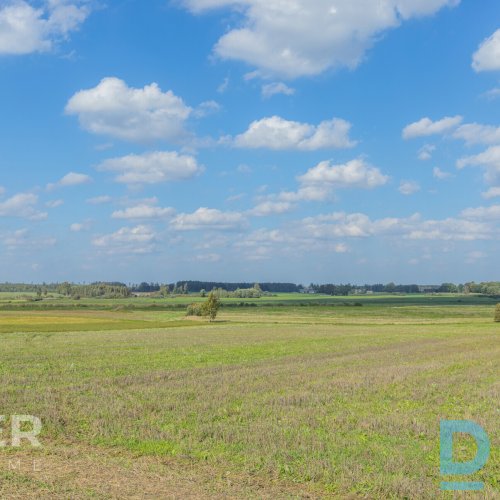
{"points": [[426, 127], [71, 179], [475, 133], [99, 200], [127, 240], [78, 227], [280, 134], [482, 213], [333, 232], [492, 93], [353, 174], [222, 88], [54, 203], [321, 181], [489, 159], [114, 109], [275, 88], [312, 192], [425, 152], [409, 187], [152, 168], [487, 56], [143, 211], [441, 174], [303, 38], [450, 230], [22, 205], [207, 108], [27, 27], [493, 192], [209, 218], [271, 208], [358, 225]]}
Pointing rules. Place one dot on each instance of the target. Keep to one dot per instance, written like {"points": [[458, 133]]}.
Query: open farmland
{"points": [[298, 398]]}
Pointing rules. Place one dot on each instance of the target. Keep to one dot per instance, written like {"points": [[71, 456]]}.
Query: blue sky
{"points": [[325, 141]]}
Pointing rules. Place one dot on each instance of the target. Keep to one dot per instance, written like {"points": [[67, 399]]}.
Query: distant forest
{"points": [[122, 290]]}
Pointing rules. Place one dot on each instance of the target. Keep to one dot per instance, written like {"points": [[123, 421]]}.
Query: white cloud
{"points": [[328, 232], [143, 212], [235, 197], [425, 152], [493, 192], [492, 93], [353, 174], [490, 159], [71, 179], [21, 205], [450, 230], [305, 193], [221, 89], [280, 134], [207, 108], [341, 225], [475, 133], [209, 218], [270, 89], [409, 187], [21, 240], [77, 227], [321, 181], [482, 213], [441, 174], [127, 240], [27, 28], [144, 114], [341, 248], [99, 200], [271, 208], [303, 38], [487, 56], [54, 203], [426, 127], [152, 168], [2, 190]]}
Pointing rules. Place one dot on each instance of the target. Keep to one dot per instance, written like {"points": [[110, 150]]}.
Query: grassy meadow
{"points": [[294, 397]]}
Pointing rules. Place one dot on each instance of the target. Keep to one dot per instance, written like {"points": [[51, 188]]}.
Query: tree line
{"points": [[240, 290]]}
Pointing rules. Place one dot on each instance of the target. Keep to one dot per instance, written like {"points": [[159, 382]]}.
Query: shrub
{"points": [[209, 308], [497, 313], [194, 310]]}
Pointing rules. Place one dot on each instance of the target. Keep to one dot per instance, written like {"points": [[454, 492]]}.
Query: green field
{"points": [[299, 397]]}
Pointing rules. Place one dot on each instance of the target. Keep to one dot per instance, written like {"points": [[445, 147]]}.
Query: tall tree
{"points": [[211, 306]]}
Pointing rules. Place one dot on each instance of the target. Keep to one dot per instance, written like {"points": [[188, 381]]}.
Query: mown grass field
{"points": [[326, 400]]}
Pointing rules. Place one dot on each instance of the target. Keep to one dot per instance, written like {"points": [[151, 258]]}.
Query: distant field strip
{"points": [[38, 323]]}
